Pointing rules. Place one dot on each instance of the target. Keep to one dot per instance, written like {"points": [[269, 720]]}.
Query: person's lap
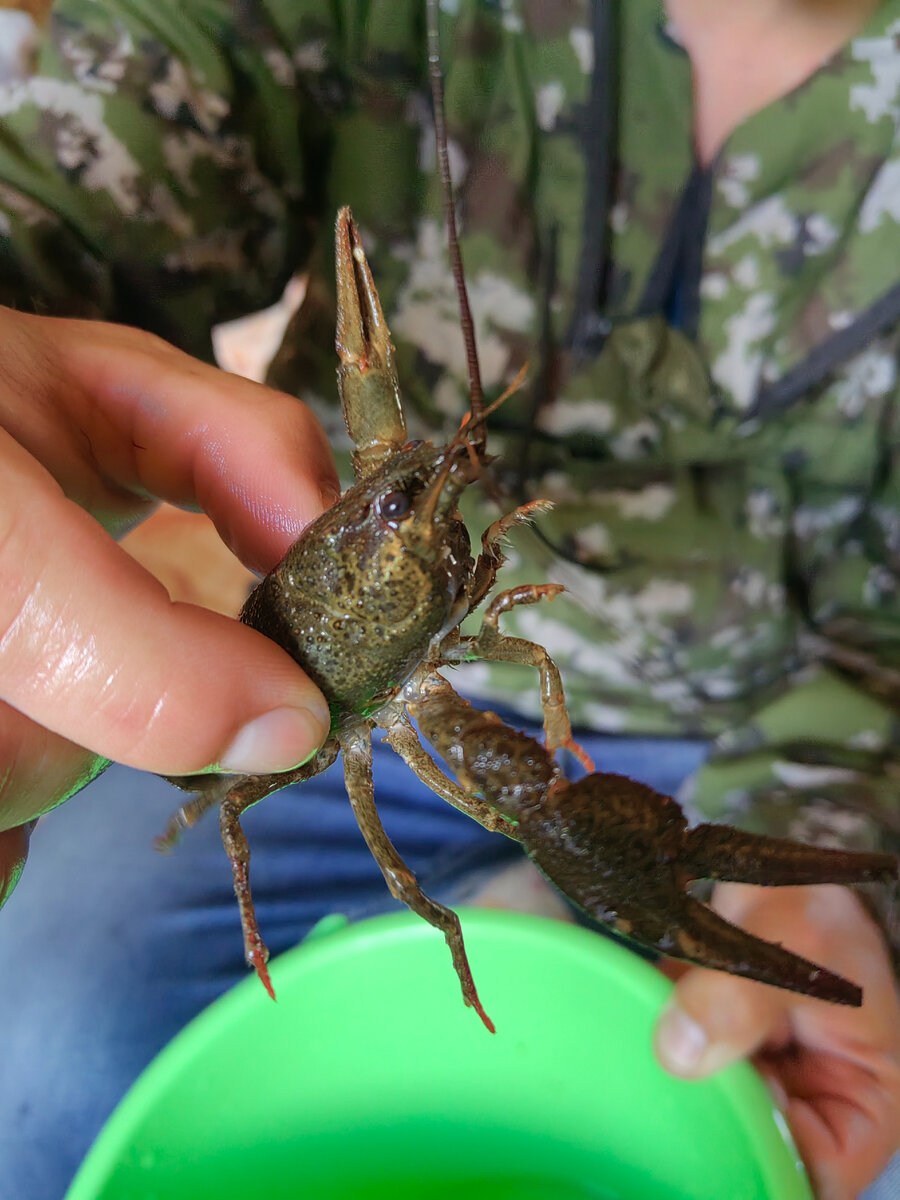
{"points": [[107, 949]]}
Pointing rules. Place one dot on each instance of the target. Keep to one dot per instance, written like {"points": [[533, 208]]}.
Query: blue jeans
{"points": [[107, 949]]}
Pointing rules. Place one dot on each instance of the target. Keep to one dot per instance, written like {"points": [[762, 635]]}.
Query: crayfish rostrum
{"points": [[369, 602]]}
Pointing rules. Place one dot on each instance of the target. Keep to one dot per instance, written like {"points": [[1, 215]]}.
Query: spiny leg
{"points": [[245, 793], [719, 852], [209, 790], [404, 739], [491, 558], [357, 749], [489, 643]]}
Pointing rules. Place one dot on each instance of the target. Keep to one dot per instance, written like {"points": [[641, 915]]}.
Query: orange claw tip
{"points": [[259, 965], [486, 1020]]}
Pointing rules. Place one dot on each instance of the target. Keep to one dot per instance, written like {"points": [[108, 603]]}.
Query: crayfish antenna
{"points": [[476, 392]]}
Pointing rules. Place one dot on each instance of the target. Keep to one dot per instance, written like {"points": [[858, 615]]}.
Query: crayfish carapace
{"points": [[369, 602]]}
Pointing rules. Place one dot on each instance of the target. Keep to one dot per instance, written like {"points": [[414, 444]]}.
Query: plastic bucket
{"points": [[369, 1080]]}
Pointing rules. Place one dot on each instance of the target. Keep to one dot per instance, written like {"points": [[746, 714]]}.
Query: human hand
{"points": [[834, 1071], [96, 661], [185, 553]]}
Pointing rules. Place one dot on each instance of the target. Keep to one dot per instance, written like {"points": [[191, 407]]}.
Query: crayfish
{"points": [[369, 601]]}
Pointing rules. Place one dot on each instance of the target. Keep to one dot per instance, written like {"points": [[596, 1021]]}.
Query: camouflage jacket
{"points": [[727, 492]]}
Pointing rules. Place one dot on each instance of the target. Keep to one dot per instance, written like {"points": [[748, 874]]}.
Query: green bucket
{"points": [[369, 1080]]}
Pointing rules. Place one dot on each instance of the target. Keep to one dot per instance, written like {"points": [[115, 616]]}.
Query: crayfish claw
{"points": [[367, 377]]}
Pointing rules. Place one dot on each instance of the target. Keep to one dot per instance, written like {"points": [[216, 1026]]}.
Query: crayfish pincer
{"points": [[369, 602]]}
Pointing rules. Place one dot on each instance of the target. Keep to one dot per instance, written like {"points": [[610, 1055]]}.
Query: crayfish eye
{"points": [[394, 506]]}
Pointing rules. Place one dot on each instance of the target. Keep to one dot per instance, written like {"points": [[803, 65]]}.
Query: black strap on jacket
{"points": [[589, 327]]}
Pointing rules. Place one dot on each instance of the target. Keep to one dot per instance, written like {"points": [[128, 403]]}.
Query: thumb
{"points": [[714, 1019], [92, 648]]}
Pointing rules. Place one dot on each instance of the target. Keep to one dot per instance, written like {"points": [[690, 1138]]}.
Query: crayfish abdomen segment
{"points": [[511, 770]]}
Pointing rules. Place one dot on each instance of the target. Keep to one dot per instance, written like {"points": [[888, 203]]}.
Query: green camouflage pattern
{"points": [[727, 517]]}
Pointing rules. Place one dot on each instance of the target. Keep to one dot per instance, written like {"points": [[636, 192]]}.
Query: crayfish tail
{"points": [[719, 852], [703, 937]]}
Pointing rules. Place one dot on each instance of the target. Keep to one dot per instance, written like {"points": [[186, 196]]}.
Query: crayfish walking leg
{"points": [[490, 645], [398, 876], [402, 737], [243, 794]]}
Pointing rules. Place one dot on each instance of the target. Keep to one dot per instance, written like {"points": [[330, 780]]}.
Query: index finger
{"points": [[164, 424]]}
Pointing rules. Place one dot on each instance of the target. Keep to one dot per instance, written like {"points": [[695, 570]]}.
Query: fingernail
{"points": [[681, 1042], [277, 741]]}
